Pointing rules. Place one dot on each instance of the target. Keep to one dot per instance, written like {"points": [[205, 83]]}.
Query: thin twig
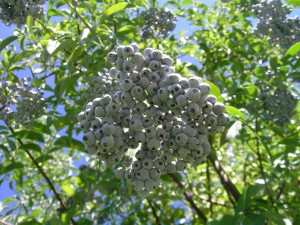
{"points": [[80, 17], [282, 186], [46, 76], [154, 212], [209, 189], [244, 170], [189, 199], [201, 198], [40, 169], [4, 223]]}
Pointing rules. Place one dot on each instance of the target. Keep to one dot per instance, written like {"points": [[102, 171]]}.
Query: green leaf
{"points": [[294, 49], [254, 220], [7, 41], [10, 167], [116, 8], [293, 2], [66, 141], [29, 134], [75, 54], [44, 158], [68, 189], [31, 146], [235, 113], [30, 222], [66, 43], [5, 150], [65, 85], [56, 12], [127, 28]]}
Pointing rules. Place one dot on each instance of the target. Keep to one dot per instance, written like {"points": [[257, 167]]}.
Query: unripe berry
{"points": [[180, 165], [138, 185], [218, 108], [89, 138], [120, 173], [143, 174], [127, 51]]}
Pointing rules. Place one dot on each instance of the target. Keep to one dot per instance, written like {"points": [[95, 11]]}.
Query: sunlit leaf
{"points": [[116, 8], [294, 49]]}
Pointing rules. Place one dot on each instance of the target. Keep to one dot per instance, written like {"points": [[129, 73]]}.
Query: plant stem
{"points": [[154, 212], [209, 189], [189, 198]]}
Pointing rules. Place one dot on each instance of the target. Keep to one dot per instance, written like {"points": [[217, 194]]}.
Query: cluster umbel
{"points": [[155, 122]]}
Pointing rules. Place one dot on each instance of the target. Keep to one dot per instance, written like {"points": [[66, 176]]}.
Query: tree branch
{"points": [[40, 169], [154, 213], [189, 198], [225, 180]]}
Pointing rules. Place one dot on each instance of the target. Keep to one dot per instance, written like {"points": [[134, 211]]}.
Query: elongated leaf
{"points": [[293, 2], [7, 41], [29, 134], [31, 146], [75, 54], [116, 8], [10, 167], [235, 113], [5, 150], [294, 49], [65, 141], [127, 28], [55, 12]]}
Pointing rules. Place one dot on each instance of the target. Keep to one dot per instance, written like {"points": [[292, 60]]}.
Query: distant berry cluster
{"points": [[158, 23], [20, 102], [275, 23], [278, 103], [156, 113], [16, 11]]}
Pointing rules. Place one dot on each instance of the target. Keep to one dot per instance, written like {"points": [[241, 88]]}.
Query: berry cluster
{"points": [[162, 117], [20, 102], [159, 23], [100, 85], [279, 104], [16, 11], [274, 22]]}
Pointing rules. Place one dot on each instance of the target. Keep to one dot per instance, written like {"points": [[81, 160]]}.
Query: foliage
{"points": [[252, 173]]}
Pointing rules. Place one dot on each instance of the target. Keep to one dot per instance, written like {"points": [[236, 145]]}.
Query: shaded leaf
{"points": [[29, 134], [31, 146], [10, 167], [7, 41]]}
